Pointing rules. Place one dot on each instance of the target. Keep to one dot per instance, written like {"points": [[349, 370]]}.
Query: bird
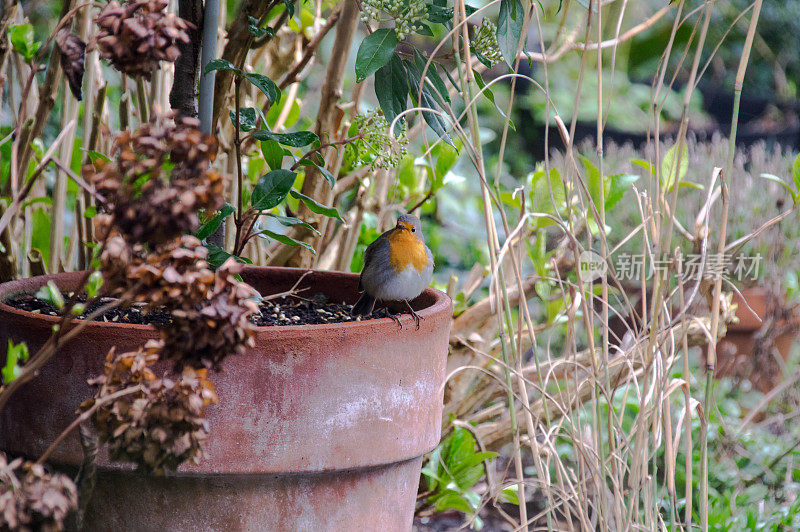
{"points": [[397, 267]]}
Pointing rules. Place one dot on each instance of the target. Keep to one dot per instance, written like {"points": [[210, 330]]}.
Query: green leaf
{"points": [[318, 208], [451, 500], [247, 118], [273, 153], [272, 189], [776, 179], [265, 85], [592, 180], [291, 221], [616, 186], [298, 139], [509, 29], [391, 89], [283, 239], [256, 30], [434, 120], [325, 173], [96, 155], [51, 294], [641, 163], [16, 355], [220, 64], [673, 170], [490, 96], [93, 284], [510, 494], [375, 51], [289, 7], [208, 228], [90, 212], [440, 92], [217, 256], [21, 37], [440, 14], [796, 173]]}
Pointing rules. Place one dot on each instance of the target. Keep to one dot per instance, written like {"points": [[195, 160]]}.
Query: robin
{"points": [[397, 267]]}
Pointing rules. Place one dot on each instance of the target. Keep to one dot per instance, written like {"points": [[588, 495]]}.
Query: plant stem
{"points": [[237, 144]]}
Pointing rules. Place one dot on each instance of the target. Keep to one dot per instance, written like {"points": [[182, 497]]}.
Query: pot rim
{"points": [[441, 303]]}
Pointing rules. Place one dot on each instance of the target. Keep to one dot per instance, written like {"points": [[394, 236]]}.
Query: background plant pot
{"points": [[319, 427], [764, 331]]}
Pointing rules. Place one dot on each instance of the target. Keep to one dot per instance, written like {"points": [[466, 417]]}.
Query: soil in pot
{"points": [[287, 310]]}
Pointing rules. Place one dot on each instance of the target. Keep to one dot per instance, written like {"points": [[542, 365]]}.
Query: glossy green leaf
{"points": [[440, 89], [208, 228], [265, 85], [273, 153], [391, 89], [51, 294], [509, 29], [316, 207], [375, 51], [487, 92], [297, 139], [272, 189], [325, 173], [93, 285], [247, 118], [291, 221], [283, 239], [434, 120], [796, 173], [220, 64]]}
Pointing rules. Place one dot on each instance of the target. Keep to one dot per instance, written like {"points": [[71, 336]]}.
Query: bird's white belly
{"points": [[407, 284]]}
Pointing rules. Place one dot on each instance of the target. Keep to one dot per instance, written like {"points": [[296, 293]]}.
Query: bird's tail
{"points": [[364, 306]]}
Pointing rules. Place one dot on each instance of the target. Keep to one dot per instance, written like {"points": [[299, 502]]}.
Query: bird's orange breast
{"points": [[406, 249]]}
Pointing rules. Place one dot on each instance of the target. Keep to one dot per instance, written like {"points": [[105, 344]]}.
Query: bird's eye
{"points": [[413, 229]]}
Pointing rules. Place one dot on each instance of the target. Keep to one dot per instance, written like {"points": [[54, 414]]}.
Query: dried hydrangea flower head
{"points": [[159, 178], [32, 499], [203, 335], [161, 424], [138, 34]]}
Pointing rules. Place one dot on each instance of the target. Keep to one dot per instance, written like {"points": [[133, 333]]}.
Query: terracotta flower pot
{"points": [[749, 348], [319, 427]]}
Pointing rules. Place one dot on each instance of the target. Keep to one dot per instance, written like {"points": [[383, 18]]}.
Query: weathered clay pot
{"points": [[319, 427], [749, 347]]}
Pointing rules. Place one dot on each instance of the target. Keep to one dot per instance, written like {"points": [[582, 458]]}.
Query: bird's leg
{"points": [[395, 317], [414, 314]]}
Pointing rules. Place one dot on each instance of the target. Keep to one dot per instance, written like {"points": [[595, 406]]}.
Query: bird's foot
{"points": [[395, 318], [414, 314]]}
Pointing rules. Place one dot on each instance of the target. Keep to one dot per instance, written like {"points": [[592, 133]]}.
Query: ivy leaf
{"points": [[247, 118], [265, 85], [283, 239], [220, 64], [375, 51], [297, 139], [318, 208], [291, 221], [509, 29], [325, 173], [272, 189], [273, 153], [208, 228], [434, 120], [391, 89]]}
